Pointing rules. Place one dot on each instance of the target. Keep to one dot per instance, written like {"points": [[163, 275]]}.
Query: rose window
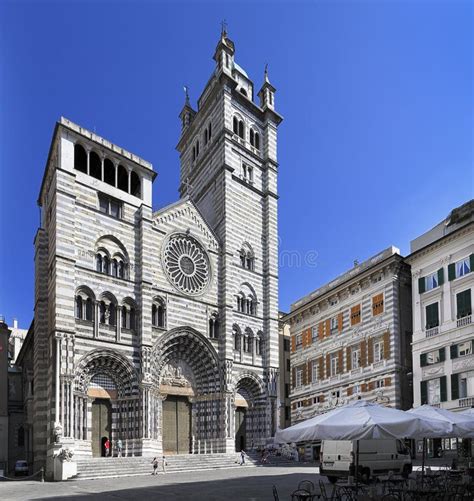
{"points": [[186, 264]]}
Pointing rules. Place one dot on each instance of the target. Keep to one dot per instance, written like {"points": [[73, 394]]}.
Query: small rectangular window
{"points": [[299, 339], [463, 303], [377, 304], [378, 350], [465, 348], [334, 363], [110, 206], [432, 317], [299, 377]]}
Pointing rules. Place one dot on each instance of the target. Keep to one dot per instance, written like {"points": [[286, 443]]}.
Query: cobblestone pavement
{"points": [[249, 484]]}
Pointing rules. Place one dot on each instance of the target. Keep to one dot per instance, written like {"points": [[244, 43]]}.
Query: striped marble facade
{"points": [[121, 315]]}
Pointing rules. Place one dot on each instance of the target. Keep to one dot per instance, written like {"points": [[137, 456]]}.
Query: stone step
{"points": [[135, 466]]}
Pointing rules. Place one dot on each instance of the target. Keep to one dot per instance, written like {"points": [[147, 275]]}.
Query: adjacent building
{"points": [[160, 328], [351, 339], [285, 373], [442, 265]]}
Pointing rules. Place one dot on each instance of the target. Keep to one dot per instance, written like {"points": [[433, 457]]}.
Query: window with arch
{"points": [[246, 301], [214, 326], [80, 158], [108, 310], [158, 313], [95, 165], [122, 178], [255, 139], [237, 337], [128, 316], [238, 127], [135, 185], [247, 259], [109, 172], [83, 305]]}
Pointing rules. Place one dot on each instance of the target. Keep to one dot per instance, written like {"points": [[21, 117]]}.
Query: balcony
{"points": [[434, 331], [462, 322], [378, 364], [466, 402]]}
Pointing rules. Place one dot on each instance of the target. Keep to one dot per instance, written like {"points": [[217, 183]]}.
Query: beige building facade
{"points": [[351, 339]]}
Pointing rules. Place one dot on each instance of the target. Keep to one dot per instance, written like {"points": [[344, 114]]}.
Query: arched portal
{"points": [[186, 373], [106, 401], [249, 419]]}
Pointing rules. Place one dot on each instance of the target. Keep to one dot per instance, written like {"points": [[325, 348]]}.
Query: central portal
{"points": [[176, 425]]}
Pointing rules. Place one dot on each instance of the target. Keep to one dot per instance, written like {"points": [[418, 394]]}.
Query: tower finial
{"points": [[266, 73], [223, 28], [186, 91]]}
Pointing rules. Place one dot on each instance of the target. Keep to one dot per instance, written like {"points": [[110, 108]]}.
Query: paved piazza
{"points": [[246, 483]]}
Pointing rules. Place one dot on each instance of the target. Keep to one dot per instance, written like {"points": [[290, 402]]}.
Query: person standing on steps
{"points": [[242, 457], [164, 464], [155, 466], [119, 448], [107, 448]]}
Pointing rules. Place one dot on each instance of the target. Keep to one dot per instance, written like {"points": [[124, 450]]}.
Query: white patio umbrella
{"points": [[462, 425], [364, 420]]}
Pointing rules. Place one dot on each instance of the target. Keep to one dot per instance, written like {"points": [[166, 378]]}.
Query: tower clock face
{"points": [[186, 264]]}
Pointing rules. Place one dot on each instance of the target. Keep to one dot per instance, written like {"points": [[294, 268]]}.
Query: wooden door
{"points": [[240, 429], [101, 425], [176, 425]]}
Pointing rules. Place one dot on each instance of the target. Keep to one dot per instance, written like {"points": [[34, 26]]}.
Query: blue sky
{"points": [[375, 148]]}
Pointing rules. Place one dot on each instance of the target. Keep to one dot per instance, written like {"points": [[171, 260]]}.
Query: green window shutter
{"points": [[424, 392], [463, 303], [432, 317], [454, 386], [421, 285], [443, 388], [441, 276], [451, 272], [471, 262], [423, 360], [454, 351], [442, 354]]}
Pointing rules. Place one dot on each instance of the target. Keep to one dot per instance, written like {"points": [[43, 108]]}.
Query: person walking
{"points": [[119, 448], [107, 448], [242, 457], [164, 464], [155, 466]]}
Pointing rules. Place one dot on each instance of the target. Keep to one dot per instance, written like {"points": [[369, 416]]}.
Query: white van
{"points": [[376, 457]]}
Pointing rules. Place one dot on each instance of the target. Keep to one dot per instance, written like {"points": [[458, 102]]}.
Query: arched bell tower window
{"points": [[80, 158], [122, 178], [135, 185], [95, 165], [241, 129], [109, 172]]}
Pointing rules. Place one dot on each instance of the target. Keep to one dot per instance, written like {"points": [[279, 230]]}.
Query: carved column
{"points": [[96, 319]]}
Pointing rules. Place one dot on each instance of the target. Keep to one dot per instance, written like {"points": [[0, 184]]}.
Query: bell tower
{"points": [[229, 169]]}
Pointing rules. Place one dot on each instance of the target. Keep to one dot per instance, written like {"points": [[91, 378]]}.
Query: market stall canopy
{"points": [[462, 425], [364, 420]]}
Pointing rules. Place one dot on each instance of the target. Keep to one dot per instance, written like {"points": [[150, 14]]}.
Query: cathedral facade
{"points": [[160, 329]]}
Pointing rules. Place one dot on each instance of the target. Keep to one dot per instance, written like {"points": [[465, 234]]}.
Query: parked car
{"points": [[21, 468], [376, 457]]}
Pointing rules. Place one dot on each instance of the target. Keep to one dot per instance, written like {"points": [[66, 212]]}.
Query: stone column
{"points": [[96, 319], [58, 417], [118, 323]]}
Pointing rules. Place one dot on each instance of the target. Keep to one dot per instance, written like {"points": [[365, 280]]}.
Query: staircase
{"points": [[134, 466]]}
